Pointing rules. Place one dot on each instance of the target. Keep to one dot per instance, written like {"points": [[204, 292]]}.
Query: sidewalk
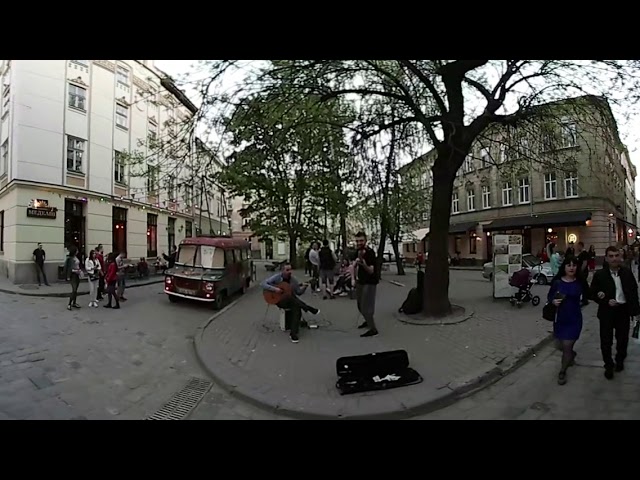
{"points": [[63, 289], [245, 352]]}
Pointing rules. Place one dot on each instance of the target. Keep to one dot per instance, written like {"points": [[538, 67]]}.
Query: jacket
{"points": [[112, 273], [328, 259], [273, 281], [603, 282]]}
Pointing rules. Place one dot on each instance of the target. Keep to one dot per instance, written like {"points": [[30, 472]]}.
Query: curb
{"points": [[458, 389], [27, 293]]}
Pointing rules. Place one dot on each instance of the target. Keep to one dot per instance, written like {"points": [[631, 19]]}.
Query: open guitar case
{"points": [[375, 371]]}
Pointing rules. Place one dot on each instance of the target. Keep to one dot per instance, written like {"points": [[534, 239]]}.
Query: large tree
{"points": [[451, 104]]}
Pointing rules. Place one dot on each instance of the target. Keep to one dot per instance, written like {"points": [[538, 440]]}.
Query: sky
{"points": [[629, 131]]}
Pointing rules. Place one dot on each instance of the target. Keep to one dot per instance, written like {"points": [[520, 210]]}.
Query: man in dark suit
{"points": [[615, 290]]}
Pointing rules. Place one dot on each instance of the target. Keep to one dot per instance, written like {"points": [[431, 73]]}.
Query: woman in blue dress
{"points": [[565, 293]]}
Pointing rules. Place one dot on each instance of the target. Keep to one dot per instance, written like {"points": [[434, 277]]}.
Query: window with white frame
{"points": [[507, 194], [84, 63], [504, 154], [122, 75], [485, 157], [571, 185], [171, 188], [153, 175], [471, 200], [424, 180], [467, 166], [4, 160], [455, 203], [119, 168], [75, 153], [550, 186], [187, 194], [524, 190], [569, 134], [425, 217], [77, 97], [486, 196], [122, 116]]}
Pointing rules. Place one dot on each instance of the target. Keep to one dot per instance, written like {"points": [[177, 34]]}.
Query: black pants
{"points": [[293, 308], [111, 292], [616, 324], [100, 287], [40, 272], [75, 283]]}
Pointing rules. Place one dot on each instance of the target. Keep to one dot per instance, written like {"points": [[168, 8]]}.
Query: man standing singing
{"points": [[367, 282]]}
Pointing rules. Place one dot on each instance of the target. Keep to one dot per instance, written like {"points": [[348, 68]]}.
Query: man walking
{"points": [[314, 259], [100, 258], [367, 282], [39, 257], [615, 290], [121, 275], [328, 261]]}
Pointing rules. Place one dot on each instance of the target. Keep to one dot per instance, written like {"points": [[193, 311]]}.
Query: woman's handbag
{"points": [[549, 312]]}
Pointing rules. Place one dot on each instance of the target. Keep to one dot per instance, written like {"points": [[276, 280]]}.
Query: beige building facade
{"points": [[577, 186]]}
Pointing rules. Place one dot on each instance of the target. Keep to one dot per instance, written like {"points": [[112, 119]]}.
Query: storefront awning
{"points": [[559, 219], [416, 236], [462, 227]]}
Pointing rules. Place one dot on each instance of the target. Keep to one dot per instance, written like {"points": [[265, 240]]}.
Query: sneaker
{"points": [[608, 373], [619, 367], [68, 307], [116, 307], [75, 305], [294, 338], [314, 311], [370, 333], [363, 325], [107, 306], [562, 378]]}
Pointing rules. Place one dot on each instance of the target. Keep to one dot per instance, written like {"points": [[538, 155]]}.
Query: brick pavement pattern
{"points": [[245, 349]]}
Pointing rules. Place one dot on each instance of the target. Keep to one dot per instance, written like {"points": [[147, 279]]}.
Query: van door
{"points": [[230, 280]]}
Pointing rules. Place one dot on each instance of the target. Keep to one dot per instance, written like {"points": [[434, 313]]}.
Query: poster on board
{"points": [[507, 259]]}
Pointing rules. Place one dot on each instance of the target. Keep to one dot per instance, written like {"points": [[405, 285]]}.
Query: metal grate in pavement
{"points": [[183, 402]]}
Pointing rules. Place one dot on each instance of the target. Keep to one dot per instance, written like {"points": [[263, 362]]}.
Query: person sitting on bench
{"points": [[292, 304]]}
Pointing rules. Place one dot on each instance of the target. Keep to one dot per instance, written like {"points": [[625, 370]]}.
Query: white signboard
{"points": [[507, 260]]}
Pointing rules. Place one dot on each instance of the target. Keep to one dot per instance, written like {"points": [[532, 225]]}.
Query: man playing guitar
{"points": [[286, 285]]}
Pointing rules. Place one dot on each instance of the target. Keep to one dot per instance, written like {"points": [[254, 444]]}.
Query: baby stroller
{"points": [[523, 281]]}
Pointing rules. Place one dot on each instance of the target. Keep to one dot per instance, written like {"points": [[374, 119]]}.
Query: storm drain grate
{"points": [[183, 402]]}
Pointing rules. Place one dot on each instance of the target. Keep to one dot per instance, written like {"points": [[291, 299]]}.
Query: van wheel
{"points": [[220, 301]]}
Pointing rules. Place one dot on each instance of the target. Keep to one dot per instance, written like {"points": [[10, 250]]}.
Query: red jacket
{"points": [[112, 273], [100, 258]]}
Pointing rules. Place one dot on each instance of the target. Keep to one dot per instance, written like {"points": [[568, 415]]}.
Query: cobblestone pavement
{"points": [[96, 363]]}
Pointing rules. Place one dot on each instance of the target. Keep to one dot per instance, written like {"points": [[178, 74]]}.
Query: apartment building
{"points": [[571, 181], [97, 151]]}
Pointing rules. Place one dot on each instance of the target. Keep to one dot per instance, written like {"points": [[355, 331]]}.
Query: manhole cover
{"points": [[183, 402]]}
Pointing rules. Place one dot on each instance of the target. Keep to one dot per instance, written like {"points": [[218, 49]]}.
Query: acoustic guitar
{"points": [[273, 298]]}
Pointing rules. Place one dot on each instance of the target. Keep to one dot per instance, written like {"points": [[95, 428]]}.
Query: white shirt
{"points": [[314, 257], [620, 298]]}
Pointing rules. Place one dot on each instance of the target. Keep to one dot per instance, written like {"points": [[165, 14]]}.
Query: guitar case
{"points": [[375, 371]]}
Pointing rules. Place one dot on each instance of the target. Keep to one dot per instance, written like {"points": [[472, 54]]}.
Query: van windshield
{"points": [[203, 256]]}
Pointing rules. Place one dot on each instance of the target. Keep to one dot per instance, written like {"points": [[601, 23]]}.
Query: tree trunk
{"points": [[396, 252], [436, 284], [343, 231], [293, 254]]}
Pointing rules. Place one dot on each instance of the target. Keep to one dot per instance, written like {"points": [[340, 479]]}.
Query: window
{"points": [[187, 195], [550, 186], [485, 158], [2, 231], [486, 197], [171, 188], [425, 217], [455, 203], [504, 154], [84, 63], [524, 190], [122, 75], [152, 235], [4, 161], [153, 173], [77, 97], [75, 153], [571, 185], [473, 244], [569, 135], [118, 168], [471, 200], [122, 116], [467, 166], [152, 133], [507, 194], [188, 229]]}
